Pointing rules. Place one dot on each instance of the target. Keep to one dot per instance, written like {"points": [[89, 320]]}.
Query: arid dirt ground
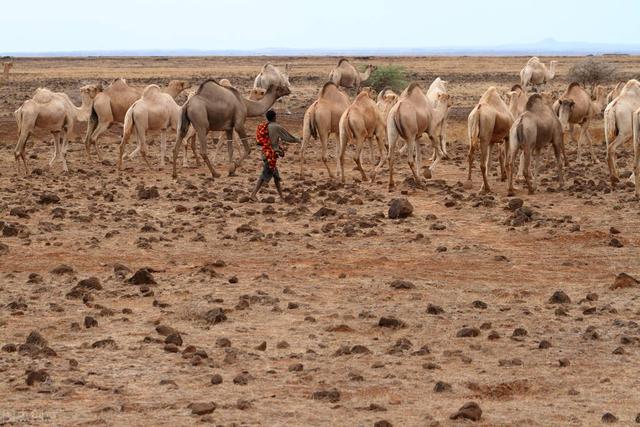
{"points": [[283, 302]]}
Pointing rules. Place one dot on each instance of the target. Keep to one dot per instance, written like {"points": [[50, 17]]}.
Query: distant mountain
{"points": [[544, 47]]}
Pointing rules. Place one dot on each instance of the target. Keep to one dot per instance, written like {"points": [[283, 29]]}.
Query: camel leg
{"points": [[502, 156], [393, 139], [202, 139], [305, 141], [245, 144], [485, 156], [357, 158], [142, 140], [636, 163], [527, 168], [341, 148], [611, 157], [511, 157], [185, 162], [382, 151], [100, 129], [558, 154], [324, 143], [470, 160], [587, 136], [56, 143], [520, 174], [163, 146], [176, 151], [437, 151], [414, 156], [578, 144], [232, 165], [123, 142], [63, 151]]}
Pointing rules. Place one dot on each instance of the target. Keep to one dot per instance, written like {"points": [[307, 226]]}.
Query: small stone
{"points": [[215, 316], [142, 277], [233, 279], [242, 378], [62, 269], [382, 423], [434, 309], [262, 346], [468, 333], [223, 342], [148, 193], [202, 408], [90, 322], [165, 330], [479, 304], [282, 344], [623, 281], [171, 348], [609, 418], [9, 348], [470, 411], [400, 208], [391, 322], [564, 362], [442, 387], [174, 338], [48, 198], [614, 230], [493, 335], [296, 367], [36, 339], [515, 204], [519, 332], [216, 379], [615, 243], [332, 395], [38, 376], [544, 344], [402, 284], [559, 297]]}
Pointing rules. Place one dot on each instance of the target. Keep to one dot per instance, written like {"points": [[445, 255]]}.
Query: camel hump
{"points": [[572, 85], [267, 66], [342, 60], [216, 83], [382, 93], [326, 87], [43, 95], [412, 86], [534, 101], [516, 87], [151, 91], [632, 85], [491, 95]]}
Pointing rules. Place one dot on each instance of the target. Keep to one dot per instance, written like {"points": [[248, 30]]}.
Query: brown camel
{"points": [[345, 75], [575, 107], [488, 124], [112, 104], [322, 119], [215, 108], [412, 116], [533, 130], [617, 123], [360, 121]]}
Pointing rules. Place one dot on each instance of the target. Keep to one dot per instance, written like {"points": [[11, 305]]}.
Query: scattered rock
{"points": [[38, 376], [48, 198], [442, 387], [215, 316], [469, 411], [382, 423], [623, 281], [515, 204], [332, 395], [468, 332], [62, 269], [202, 408], [174, 338], [559, 297], [142, 277], [145, 193], [90, 322], [402, 284], [391, 322], [242, 379], [544, 344], [615, 243], [609, 418], [400, 208], [216, 379], [434, 309], [564, 362]]}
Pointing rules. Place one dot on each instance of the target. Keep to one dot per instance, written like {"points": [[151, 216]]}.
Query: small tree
{"points": [[591, 72], [392, 76]]}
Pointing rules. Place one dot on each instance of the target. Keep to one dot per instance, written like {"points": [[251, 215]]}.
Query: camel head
{"points": [[281, 91], [600, 94], [91, 90], [548, 97], [390, 97], [256, 94], [225, 82], [177, 85], [565, 109], [443, 99], [371, 93]]}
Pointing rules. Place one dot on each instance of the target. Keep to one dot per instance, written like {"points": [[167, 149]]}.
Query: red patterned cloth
{"points": [[264, 141]]}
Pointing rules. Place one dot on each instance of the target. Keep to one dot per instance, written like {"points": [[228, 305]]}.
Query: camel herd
{"points": [[519, 123]]}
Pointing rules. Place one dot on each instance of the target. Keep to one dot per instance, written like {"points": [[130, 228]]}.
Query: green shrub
{"points": [[392, 76]]}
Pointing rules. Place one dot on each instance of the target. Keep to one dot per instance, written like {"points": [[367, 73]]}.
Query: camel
{"points": [[516, 100], [215, 108], [535, 73], [112, 104], [345, 75], [635, 120], [437, 87], [6, 68], [617, 123], [386, 99], [615, 92], [322, 119], [154, 110], [575, 107], [413, 115], [533, 130], [488, 124], [53, 111], [271, 75], [360, 121]]}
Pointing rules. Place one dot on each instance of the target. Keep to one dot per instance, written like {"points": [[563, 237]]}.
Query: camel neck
{"points": [[258, 108]]}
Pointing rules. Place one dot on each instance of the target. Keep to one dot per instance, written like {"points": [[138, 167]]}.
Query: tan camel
{"points": [[361, 121], [437, 87], [43, 112], [112, 104], [617, 123], [271, 75], [155, 111], [533, 130], [386, 99], [322, 119], [488, 124], [516, 100], [615, 92], [536, 74], [215, 108], [6, 68], [575, 107], [412, 116], [636, 149], [345, 75]]}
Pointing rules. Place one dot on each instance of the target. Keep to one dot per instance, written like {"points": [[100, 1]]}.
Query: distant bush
{"points": [[392, 76], [591, 72]]}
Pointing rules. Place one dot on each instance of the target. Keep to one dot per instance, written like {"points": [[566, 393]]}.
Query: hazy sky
{"points": [[67, 25]]}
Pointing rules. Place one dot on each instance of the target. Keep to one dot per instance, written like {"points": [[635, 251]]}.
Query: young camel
{"points": [[533, 130], [412, 116], [111, 106], [437, 87], [322, 119], [536, 74], [488, 124], [360, 122], [575, 107], [345, 75], [45, 111], [215, 108], [154, 110], [617, 123]]}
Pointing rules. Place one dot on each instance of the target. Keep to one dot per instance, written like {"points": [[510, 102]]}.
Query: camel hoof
{"points": [[511, 193], [427, 173], [485, 191], [468, 185]]}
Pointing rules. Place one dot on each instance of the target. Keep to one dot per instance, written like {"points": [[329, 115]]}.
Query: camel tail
{"points": [[635, 125], [91, 124], [312, 124], [610, 126], [183, 123], [474, 126], [18, 116], [398, 124]]}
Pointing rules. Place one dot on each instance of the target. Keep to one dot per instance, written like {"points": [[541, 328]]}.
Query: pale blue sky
{"points": [[68, 25]]}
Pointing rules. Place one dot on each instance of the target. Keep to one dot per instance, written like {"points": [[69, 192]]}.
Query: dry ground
{"points": [[303, 289]]}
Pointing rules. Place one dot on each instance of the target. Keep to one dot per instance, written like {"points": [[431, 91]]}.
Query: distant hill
{"points": [[549, 47]]}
